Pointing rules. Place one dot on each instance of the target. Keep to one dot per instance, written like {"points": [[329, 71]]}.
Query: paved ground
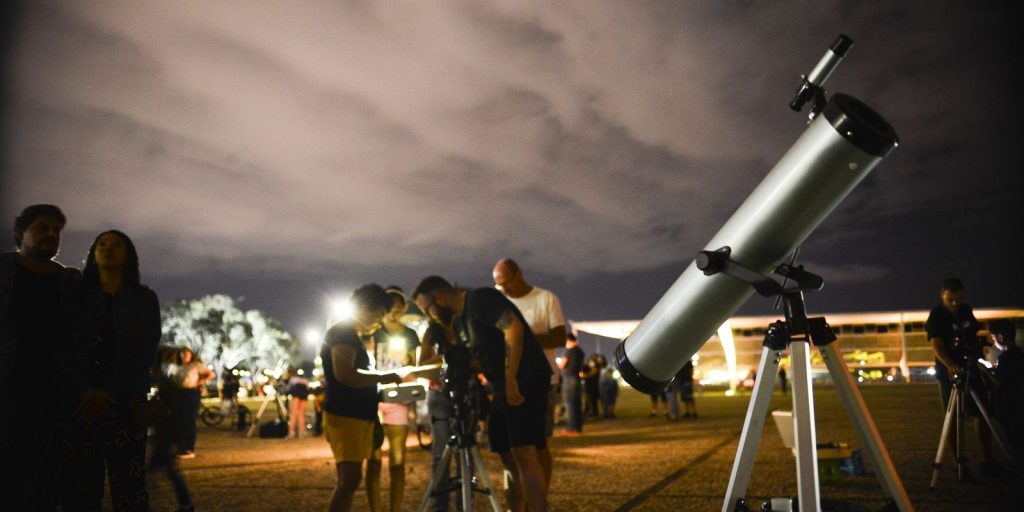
{"points": [[630, 463]]}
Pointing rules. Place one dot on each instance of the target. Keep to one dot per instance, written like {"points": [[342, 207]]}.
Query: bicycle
{"points": [[211, 416]]}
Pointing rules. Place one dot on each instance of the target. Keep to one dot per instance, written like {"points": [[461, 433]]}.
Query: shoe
{"points": [[672, 418], [290, 436], [569, 433], [651, 415], [187, 454]]}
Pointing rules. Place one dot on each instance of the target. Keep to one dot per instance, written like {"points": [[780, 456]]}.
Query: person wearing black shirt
{"points": [[571, 366], [116, 332], [953, 332], [514, 364], [350, 400], [35, 295]]}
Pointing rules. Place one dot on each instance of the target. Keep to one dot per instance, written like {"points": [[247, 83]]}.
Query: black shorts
{"points": [[523, 425]]}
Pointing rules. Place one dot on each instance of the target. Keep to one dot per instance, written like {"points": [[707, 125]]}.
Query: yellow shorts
{"points": [[350, 439]]}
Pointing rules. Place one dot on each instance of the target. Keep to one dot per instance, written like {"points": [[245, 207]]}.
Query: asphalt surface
{"points": [[633, 462]]}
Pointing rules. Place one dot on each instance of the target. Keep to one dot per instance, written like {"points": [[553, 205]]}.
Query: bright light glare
{"points": [[312, 336], [398, 343], [340, 309], [930, 371]]}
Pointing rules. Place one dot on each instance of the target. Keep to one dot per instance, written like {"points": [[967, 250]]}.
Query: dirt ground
{"points": [[633, 462]]}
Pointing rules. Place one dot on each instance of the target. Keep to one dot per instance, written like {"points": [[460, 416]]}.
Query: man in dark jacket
{"points": [[34, 295]]}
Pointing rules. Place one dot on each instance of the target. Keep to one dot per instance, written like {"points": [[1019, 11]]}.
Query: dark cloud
{"points": [[254, 147]]}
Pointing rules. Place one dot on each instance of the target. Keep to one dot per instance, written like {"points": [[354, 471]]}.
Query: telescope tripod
{"points": [[797, 333], [955, 412], [472, 473], [278, 403], [472, 477]]}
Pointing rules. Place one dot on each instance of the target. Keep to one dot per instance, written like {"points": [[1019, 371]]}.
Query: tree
{"points": [[223, 335]]}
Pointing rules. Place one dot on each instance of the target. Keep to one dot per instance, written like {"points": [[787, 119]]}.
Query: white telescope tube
{"points": [[829, 159]]}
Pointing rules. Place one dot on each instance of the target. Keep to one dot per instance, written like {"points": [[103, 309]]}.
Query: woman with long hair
{"points": [[116, 324]]}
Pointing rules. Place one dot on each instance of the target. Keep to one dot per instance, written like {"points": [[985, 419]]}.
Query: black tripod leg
{"points": [[1003, 446], [467, 479]]}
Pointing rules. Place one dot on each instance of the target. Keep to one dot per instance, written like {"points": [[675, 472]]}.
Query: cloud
{"points": [[397, 133]]}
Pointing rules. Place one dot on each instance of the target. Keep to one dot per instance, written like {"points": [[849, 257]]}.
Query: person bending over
{"points": [[512, 361], [350, 397]]}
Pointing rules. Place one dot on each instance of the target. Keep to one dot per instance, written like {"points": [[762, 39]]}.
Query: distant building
{"points": [[884, 345]]}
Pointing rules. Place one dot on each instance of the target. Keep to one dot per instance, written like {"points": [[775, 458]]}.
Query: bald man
{"points": [[543, 312]]}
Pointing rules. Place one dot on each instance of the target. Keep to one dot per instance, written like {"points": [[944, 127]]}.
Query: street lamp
{"points": [[313, 337]]}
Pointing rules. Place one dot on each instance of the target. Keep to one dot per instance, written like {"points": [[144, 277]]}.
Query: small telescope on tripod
{"points": [[845, 139]]}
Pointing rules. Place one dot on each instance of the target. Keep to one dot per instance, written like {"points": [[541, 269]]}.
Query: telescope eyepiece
{"points": [[841, 45]]}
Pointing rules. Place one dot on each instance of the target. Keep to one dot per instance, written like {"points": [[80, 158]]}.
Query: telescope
{"points": [[838, 149]]}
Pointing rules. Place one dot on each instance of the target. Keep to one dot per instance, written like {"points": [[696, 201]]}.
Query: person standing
{"points": [[542, 312], [953, 332], [394, 346], [571, 366], [191, 374], [229, 385], [298, 392], [685, 384], [350, 397], [513, 362], [116, 331], [35, 294], [609, 388], [591, 376]]}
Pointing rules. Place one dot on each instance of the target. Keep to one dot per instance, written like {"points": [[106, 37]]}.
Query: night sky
{"points": [[288, 154]]}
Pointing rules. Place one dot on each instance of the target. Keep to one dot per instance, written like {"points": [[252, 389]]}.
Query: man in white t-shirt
{"points": [[543, 312]]}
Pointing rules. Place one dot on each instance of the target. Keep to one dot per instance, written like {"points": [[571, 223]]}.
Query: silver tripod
{"points": [[466, 404], [797, 333], [470, 466], [955, 411]]}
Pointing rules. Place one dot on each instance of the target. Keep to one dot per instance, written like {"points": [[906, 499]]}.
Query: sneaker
{"points": [[187, 454]]}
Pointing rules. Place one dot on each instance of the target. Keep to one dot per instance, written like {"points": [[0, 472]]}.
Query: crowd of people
{"points": [[99, 330]]}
